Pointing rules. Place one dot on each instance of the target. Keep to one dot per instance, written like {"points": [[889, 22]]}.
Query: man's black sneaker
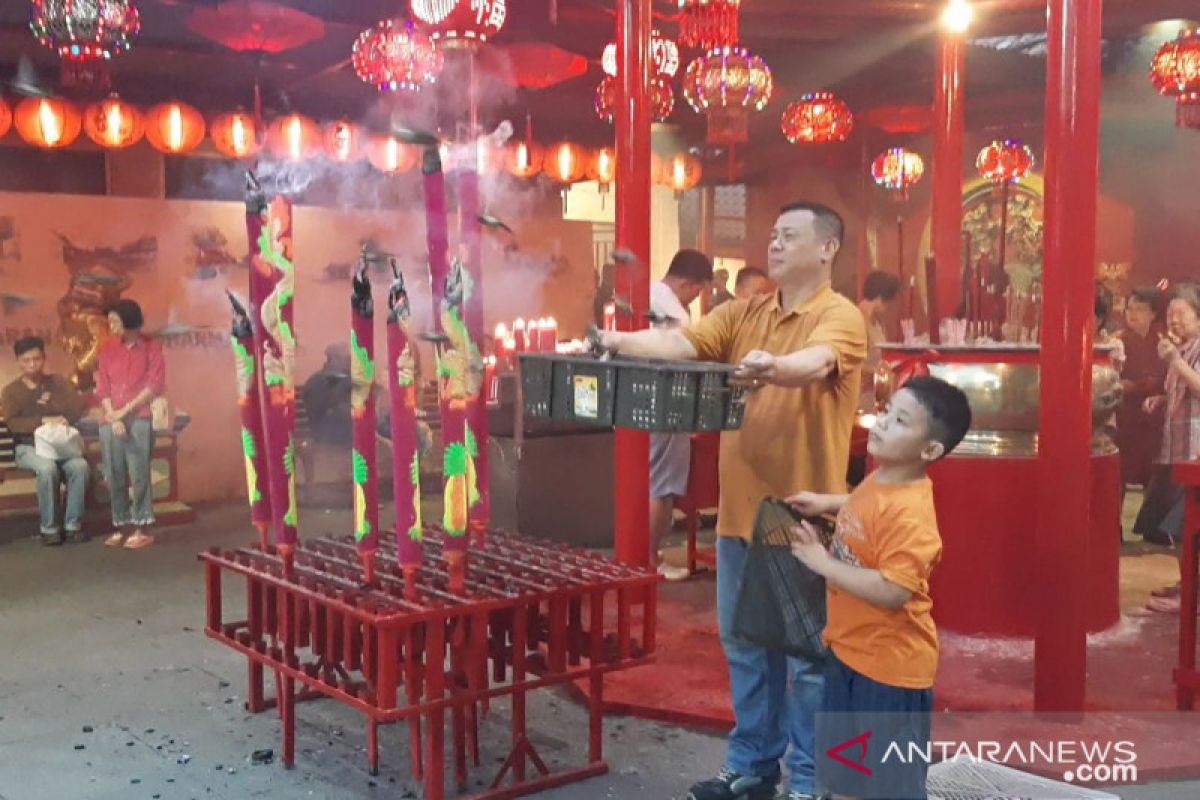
{"points": [[729, 785]]}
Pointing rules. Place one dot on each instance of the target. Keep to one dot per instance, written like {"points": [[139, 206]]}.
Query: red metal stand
{"points": [[703, 491], [946, 222], [632, 456], [533, 615], [1187, 679], [1072, 165]]}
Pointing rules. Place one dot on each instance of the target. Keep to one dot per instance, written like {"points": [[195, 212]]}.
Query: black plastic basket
{"points": [[642, 394]]}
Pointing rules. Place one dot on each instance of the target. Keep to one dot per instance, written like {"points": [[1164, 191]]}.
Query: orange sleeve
{"points": [[908, 551], [843, 328], [713, 335]]}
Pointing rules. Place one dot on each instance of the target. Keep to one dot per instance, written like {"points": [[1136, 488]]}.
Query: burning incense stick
{"points": [[242, 339], [406, 449], [362, 416]]}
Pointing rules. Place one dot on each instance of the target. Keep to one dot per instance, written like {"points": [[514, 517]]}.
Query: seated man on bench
{"points": [[32, 400]]}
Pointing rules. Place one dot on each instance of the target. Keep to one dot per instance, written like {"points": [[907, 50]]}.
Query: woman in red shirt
{"points": [[130, 374]]}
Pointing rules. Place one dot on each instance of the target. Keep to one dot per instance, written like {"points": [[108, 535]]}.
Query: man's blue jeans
{"points": [[50, 473], [775, 697]]}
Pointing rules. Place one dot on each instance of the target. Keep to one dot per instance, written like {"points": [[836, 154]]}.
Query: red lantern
{"points": [[294, 137], [85, 34], [342, 141], [47, 122], [705, 24], [1175, 72], [682, 172], [174, 127], [565, 162], [603, 168], [1004, 161], [664, 56], [237, 135], [817, 118], [113, 123], [897, 169], [524, 158], [660, 88], [394, 55], [5, 117], [461, 23], [389, 154]]}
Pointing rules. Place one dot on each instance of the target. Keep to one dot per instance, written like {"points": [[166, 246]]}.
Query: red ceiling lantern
{"points": [[47, 122], [294, 137], [461, 23], [705, 24], [896, 169], [237, 135], [899, 119], [113, 123], [174, 127], [531, 65], [682, 172], [5, 117], [603, 167], [389, 154], [817, 118], [565, 162], [255, 26], [394, 55], [342, 141], [724, 84], [1175, 72], [524, 158], [664, 56], [1004, 161], [660, 89], [85, 34]]}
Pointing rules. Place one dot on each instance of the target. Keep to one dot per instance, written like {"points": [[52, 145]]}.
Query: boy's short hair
{"points": [[949, 411], [691, 265], [27, 343], [880, 285], [747, 274]]}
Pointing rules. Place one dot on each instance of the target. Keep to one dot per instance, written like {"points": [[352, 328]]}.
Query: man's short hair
{"points": [[27, 343], [1148, 295], [691, 265], [747, 274], [949, 411], [881, 285], [130, 314], [826, 222]]}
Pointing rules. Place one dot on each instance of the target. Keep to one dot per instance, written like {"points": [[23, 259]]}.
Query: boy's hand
{"points": [[808, 549], [811, 504]]}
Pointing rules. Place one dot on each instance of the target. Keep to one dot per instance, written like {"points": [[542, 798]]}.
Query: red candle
{"points": [[490, 383], [551, 334], [610, 316], [498, 341], [519, 335], [545, 336]]}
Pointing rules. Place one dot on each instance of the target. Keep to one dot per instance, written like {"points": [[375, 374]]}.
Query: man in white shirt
{"points": [[689, 275]]}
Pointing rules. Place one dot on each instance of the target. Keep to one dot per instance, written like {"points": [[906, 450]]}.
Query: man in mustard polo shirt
{"points": [[800, 349]]}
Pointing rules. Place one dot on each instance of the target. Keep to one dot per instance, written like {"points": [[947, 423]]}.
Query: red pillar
{"points": [[946, 224], [1072, 173], [632, 456]]}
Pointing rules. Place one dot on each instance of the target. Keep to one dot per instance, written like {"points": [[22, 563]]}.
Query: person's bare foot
{"points": [[138, 540], [115, 540]]}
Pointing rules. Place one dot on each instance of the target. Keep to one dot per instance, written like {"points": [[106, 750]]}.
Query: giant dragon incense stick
{"points": [[406, 448], [362, 416], [242, 339]]}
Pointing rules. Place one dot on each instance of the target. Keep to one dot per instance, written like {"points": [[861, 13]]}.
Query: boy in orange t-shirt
{"points": [[880, 630]]}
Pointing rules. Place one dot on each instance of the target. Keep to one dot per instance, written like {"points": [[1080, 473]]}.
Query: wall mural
{"points": [[211, 257]]}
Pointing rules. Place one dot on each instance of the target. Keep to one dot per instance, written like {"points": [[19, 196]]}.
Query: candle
{"points": [[610, 316], [499, 339], [257, 489], [552, 334], [519, 335]]}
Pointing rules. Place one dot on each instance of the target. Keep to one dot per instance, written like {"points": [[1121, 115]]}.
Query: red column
{"points": [[1072, 173], [633, 118], [946, 225]]}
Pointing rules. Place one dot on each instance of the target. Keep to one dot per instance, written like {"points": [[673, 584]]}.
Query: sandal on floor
{"points": [[1167, 591], [138, 540], [115, 540]]}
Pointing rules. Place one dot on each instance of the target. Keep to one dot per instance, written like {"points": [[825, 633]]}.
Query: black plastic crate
{"points": [[642, 394]]}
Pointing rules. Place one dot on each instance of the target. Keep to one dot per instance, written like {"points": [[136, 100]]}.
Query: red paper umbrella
{"points": [[532, 65], [256, 25]]}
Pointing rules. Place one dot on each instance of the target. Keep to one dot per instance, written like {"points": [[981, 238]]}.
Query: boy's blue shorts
{"points": [[872, 739]]}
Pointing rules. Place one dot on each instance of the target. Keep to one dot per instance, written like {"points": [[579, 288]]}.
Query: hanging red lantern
{"points": [[603, 168], [681, 172], [174, 127], [85, 34], [255, 26], [47, 122], [461, 23], [393, 55], [1004, 160], [705, 24], [342, 141], [817, 118], [5, 117], [660, 92], [294, 137], [237, 135], [896, 169], [664, 56], [728, 77], [1175, 72], [389, 154], [524, 158], [113, 123], [565, 162]]}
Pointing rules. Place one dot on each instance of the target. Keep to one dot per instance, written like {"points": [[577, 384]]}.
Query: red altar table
{"points": [[1187, 679]]}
